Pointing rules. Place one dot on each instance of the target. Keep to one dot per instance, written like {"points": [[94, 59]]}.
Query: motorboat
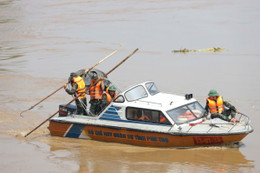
{"points": [[144, 116]]}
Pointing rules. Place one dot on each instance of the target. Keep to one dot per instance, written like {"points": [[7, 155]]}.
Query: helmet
{"points": [[95, 75], [73, 74], [112, 88], [213, 93]]}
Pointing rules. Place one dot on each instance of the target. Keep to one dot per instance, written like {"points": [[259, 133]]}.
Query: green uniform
{"points": [[80, 109], [96, 93], [105, 103], [225, 114], [95, 107], [109, 96]]}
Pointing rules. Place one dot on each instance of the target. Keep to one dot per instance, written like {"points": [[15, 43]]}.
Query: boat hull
{"points": [[139, 137]]}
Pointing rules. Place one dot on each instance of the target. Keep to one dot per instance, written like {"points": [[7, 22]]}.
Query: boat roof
{"points": [[158, 100]]}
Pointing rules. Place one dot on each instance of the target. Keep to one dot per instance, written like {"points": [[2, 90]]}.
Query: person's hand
{"points": [[237, 111], [204, 119], [65, 86], [234, 120]]}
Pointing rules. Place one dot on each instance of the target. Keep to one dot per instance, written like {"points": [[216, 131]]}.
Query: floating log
{"points": [[214, 49]]}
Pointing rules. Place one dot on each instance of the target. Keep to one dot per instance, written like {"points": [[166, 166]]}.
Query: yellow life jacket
{"points": [[216, 106], [95, 91], [81, 86]]}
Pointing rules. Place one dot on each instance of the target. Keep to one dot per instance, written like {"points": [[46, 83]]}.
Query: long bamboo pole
{"points": [[80, 94], [86, 70]]}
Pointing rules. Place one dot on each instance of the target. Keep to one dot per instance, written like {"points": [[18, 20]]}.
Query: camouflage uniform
{"points": [[105, 103], [108, 96], [95, 107], [80, 108], [225, 114]]}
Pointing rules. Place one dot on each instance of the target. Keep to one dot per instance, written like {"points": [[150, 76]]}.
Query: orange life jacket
{"points": [[216, 106], [163, 119], [140, 118], [81, 86], [187, 114], [95, 91], [109, 98]]}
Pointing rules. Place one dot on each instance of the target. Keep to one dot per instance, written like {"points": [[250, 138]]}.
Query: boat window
{"points": [[146, 115], [151, 87], [163, 119], [136, 93], [186, 113]]}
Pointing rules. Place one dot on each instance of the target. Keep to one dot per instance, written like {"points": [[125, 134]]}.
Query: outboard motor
{"points": [[70, 109]]}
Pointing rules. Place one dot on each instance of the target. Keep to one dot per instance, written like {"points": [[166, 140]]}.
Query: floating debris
{"points": [[214, 49]]}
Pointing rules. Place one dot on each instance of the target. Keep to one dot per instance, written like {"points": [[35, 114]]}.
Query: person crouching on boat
{"points": [[78, 89], [216, 105], [96, 94], [109, 96]]}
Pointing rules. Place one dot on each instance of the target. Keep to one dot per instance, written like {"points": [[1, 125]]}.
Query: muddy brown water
{"points": [[41, 42]]}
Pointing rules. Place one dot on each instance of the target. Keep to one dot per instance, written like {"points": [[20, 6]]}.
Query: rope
{"points": [[82, 103]]}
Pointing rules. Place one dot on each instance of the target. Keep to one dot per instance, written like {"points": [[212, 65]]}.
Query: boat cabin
{"points": [[145, 103]]}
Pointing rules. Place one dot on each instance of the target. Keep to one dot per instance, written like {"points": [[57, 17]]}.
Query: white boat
{"points": [[142, 115]]}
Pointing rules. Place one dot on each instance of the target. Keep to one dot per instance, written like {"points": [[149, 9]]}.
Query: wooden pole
{"points": [[80, 94], [87, 70]]}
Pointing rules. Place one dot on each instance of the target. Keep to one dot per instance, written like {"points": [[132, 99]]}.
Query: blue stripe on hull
{"points": [[117, 108], [110, 116], [75, 131], [111, 109], [111, 112]]}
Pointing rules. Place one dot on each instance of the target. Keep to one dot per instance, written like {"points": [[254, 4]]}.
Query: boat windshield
{"points": [[136, 93], [186, 113], [151, 87]]}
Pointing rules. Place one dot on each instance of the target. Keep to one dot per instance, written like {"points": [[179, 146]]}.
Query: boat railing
{"points": [[149, 103], [243, 119]]}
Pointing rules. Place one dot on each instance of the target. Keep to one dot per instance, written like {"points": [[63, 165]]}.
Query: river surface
{"points": [[41, 42]]}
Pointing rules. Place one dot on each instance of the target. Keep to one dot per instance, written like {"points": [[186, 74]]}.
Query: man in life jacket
{"points": [[139, 116], [78, 89], [163, 119], [109, 96], [96, 94], [216, 106]]}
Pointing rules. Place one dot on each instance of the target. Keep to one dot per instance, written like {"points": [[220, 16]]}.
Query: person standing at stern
{"points": [[96, 94], [78, 89]]}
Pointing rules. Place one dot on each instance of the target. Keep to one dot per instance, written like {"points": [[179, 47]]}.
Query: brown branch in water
{"points": [[214, 49]]}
